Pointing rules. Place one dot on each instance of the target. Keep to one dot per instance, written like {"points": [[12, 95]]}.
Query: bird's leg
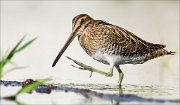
{"points": [[89, 68], [121, 75]]}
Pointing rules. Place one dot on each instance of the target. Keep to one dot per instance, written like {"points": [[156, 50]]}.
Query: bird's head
{"points": [[77, 23]]}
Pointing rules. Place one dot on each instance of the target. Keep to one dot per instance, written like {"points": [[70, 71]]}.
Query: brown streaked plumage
{"points": [[111, 44]]}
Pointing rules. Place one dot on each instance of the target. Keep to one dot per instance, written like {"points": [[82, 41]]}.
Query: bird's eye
{"points": [[82, 21]]}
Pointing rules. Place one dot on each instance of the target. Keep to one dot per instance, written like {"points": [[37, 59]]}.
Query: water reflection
{"points": [[94, 94]]}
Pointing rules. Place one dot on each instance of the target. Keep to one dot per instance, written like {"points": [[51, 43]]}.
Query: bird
{"points": [[111, 44]]}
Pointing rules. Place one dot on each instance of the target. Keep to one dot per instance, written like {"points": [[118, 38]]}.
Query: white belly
{"points": [[118, 60]]}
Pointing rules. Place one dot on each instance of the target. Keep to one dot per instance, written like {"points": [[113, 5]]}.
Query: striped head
{"points": [[78, 23]]}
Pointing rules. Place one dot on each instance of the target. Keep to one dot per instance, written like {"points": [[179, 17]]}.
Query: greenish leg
{"points": [[121, 75], [89, 68]]}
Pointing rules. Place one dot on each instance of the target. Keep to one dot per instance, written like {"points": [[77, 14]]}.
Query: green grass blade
{"points": [[11, 54], [0, 70], [25, 45], [32, 86], [13, 69], [6, 59]]}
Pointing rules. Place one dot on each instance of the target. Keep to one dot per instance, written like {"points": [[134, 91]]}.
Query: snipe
{"points": [[111, 44]]}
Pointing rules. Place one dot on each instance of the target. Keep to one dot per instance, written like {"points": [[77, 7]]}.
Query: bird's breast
{"points": [[90, 41]]}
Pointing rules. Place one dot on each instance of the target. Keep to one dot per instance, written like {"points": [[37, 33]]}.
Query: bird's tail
{"points": [[170, 53], [160, 52]]}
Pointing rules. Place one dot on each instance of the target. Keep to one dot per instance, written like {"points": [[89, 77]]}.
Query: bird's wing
{"points": [[126, 42]]}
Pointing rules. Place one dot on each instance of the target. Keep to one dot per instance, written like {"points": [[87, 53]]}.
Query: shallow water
{"points": [[72, 93]]}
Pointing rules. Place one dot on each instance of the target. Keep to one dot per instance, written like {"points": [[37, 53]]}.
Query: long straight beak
{"points": [[70, 39]]}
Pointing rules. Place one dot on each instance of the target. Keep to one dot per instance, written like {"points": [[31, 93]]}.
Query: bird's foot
{"points": [[81, 65], [109, 74], [89, 68]]}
